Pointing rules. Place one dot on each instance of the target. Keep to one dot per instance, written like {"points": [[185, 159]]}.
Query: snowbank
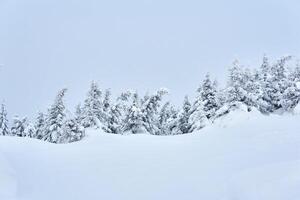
{"points": [[8, 183], [244, 155]]}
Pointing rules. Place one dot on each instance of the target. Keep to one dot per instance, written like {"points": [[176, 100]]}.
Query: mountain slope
{"points": [[242, 156]]}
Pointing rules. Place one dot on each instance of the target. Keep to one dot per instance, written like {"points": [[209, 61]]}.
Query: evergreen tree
{"points": [[290, 97], [167, 120], [113, 123], [19, 126], [40, 125], [235, 91], [150, 108], [72, 131], [4, 130], [79, 114], [295, 74], [106, 101], [208, 96], [55, 119], [184, 122], [276, 84], [30, 131], [133, 120], [92, 109], [265, 69]]}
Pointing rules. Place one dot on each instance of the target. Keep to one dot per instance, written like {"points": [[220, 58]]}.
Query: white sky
{"points": [[143, 44]]}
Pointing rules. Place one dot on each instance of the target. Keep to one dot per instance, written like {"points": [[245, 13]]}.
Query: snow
{"points": [[244, 155]]}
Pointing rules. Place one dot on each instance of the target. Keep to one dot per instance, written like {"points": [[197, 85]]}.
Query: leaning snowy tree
{"points": [[150, 108], [4, 130], [92, 111], [53, 131]]}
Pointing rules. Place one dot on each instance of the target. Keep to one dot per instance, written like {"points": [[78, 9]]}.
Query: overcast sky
{"points": [[46, 45]]}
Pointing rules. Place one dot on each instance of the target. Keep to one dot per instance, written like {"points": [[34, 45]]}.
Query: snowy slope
{"points": [[243, 156]]}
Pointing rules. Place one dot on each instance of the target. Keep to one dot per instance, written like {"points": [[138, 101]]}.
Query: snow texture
{"points": [[242, 156]]}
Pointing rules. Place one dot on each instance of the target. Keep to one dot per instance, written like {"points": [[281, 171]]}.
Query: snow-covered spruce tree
{"points": [[208, 96], [30, 131], [265, 69], [167, 120], [242, 87], [72, 131], [290, 97], [184, 124], [113, 122], [276, 84], [4, 130], [115, 116], [295, 74], [235, 91], [40, 125], [150, 108], [134, 118], [198, 118], [92, 108], [55, 119], [106, 100], [19, 126], [79, 114]]}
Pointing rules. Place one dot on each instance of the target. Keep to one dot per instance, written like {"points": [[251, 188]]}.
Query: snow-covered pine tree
{"points": [[92, 109], [167, 120], [133, 120], [113, 122], [184, 124], [53, 131], [265, 69], [263, 79], [208, 96], [290, 97], [235, 91], [30, 131], [4, 130], [40, 125], [198, 118], [295, 74], [79, 114], [252, 87], [150, 108], [276, 84], [107, 100], [115, 116], [19, 126], [72, 131]]}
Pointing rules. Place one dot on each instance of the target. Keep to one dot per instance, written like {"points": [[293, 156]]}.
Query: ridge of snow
{"points": [[243, 155]]}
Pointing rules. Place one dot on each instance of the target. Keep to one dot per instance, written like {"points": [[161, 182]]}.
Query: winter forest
{"points": [[272, 88]]}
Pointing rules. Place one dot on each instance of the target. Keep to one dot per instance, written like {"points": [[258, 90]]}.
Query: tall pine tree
{"points": [[4, 130], [92, 109], [55, 119]]}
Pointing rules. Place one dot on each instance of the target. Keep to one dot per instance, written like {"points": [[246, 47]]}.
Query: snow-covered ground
{"points": [[243, 156]]}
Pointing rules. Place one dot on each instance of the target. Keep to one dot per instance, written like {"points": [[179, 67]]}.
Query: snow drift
{"points": [[242, 156]]}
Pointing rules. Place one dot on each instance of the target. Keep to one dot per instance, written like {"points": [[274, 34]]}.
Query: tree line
{"points": [[270, 88]]}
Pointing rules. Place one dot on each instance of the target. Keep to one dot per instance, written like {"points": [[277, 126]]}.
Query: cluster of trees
{"points": [[271, 88]]}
